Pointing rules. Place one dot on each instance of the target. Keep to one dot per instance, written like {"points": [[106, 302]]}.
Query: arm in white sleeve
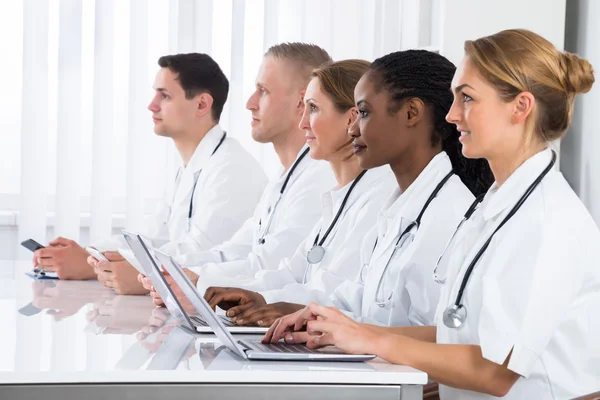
{"points": [[237, 248], [296, 221]]}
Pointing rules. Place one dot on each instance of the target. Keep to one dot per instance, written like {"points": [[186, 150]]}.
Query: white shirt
{"points": [[229, 185], [409, 276], [535, 290], [295, 215], [342, 259]]}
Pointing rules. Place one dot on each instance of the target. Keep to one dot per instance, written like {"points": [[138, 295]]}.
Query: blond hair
{"points": [[338, 79], [303, 57], [517, 60]]}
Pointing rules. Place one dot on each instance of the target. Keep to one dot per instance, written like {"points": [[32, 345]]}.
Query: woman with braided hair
{"points": [[518, 310], [402, 102]]}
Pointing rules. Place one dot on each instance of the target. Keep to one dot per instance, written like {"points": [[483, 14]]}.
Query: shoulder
{"points": [[314, 177], [450, 204], [234, 158]]}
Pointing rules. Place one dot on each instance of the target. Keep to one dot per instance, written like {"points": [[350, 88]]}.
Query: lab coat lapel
{"points": [[198, 161]]}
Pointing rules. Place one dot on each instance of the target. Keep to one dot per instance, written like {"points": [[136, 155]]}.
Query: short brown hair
{"points": [[517, 60], [305, 57], [338, 79]]}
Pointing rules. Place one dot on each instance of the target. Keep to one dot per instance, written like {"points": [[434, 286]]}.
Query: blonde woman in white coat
{"points": [[518, 312]]}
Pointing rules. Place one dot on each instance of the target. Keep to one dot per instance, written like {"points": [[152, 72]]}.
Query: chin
{"points": [[470, 151], [259, 137], [161, 132], [365, 162], [314, 153]]}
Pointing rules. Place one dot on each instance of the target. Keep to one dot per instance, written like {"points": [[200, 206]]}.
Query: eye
{"points": [[165, 96], [466, 98], [313, 108], [262, 91], [363, 113]]}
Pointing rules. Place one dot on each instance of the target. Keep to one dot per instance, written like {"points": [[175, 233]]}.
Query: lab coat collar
{"points": [[205, 149], [500, 198], [410, 203], [187, 175], [283, 172], [332, 200]]}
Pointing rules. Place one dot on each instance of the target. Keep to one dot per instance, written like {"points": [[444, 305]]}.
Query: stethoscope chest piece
{"points": [[315, 255], [454, 316]]}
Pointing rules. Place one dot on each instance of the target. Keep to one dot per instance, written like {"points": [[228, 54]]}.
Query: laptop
{"points": [[152, 270], [250, 349]]}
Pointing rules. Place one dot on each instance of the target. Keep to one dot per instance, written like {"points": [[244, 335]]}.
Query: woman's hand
{"points": [[324, 326]]}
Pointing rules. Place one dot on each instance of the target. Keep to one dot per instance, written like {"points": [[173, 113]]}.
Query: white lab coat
{"points": [[229, 186], [342, 256], [535, 291], [298, 211], [410, 273]]}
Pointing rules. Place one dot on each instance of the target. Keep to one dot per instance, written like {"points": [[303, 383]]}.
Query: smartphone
{"points": [[96, 254], [32, 245]]}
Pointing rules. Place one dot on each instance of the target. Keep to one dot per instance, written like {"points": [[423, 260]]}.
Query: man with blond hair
{"points": [[291, 203]]}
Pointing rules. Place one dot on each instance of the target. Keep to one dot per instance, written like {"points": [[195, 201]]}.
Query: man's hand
{"points": [[233, 300], [66, 258], [117, 274], [158, 301], [266, 315]]}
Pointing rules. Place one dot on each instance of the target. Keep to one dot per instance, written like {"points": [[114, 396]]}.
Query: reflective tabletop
{"points": [[75, 332]]}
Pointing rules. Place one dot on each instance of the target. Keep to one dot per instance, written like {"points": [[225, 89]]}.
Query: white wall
{"points": [[471, 19], [459, 20], [580, 163]]}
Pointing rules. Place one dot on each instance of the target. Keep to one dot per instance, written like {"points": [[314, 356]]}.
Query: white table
{"points": [[64, 339]]}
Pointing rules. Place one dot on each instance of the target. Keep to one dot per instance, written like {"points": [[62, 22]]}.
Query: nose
{"points": [[153, 106], [252, 103], [353, 129], [305, 121], [454, 115]]}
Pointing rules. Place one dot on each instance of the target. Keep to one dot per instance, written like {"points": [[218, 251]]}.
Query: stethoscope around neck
{"points": [[196, 177], [317, 252], [455, 315], [402, 239], [261, 239]]}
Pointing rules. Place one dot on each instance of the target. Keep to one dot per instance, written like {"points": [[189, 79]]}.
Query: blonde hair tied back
{"points": [[517, 60]]}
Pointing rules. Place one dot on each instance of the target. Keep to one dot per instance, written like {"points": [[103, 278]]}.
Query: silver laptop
{"points": [[196, 323], [250, 349]]}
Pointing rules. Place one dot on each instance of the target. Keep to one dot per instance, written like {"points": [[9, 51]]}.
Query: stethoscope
{"points": [[403, 238], [261, 239], [317, 252], [454, 316], [196, 176]]}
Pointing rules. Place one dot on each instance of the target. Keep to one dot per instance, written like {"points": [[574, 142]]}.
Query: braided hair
{"points": [[427, 76]]}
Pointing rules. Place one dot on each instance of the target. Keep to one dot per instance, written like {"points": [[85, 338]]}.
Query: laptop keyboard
{"points": [[276, 347], [200, 322]]}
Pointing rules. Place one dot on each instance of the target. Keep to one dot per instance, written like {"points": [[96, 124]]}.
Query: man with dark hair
{"points": [[216, 189], [291, 203]]}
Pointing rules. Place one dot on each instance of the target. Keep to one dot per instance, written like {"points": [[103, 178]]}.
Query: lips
{"points": [[358, 148]]}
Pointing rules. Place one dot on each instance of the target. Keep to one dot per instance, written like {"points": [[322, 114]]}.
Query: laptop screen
{"points": [[143, 255], [198, 301]]}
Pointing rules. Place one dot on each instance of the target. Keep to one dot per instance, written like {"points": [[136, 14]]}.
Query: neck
{"points": [[287, 148], [187, 143], [407, 169], [345, 170], [504, 165]]}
